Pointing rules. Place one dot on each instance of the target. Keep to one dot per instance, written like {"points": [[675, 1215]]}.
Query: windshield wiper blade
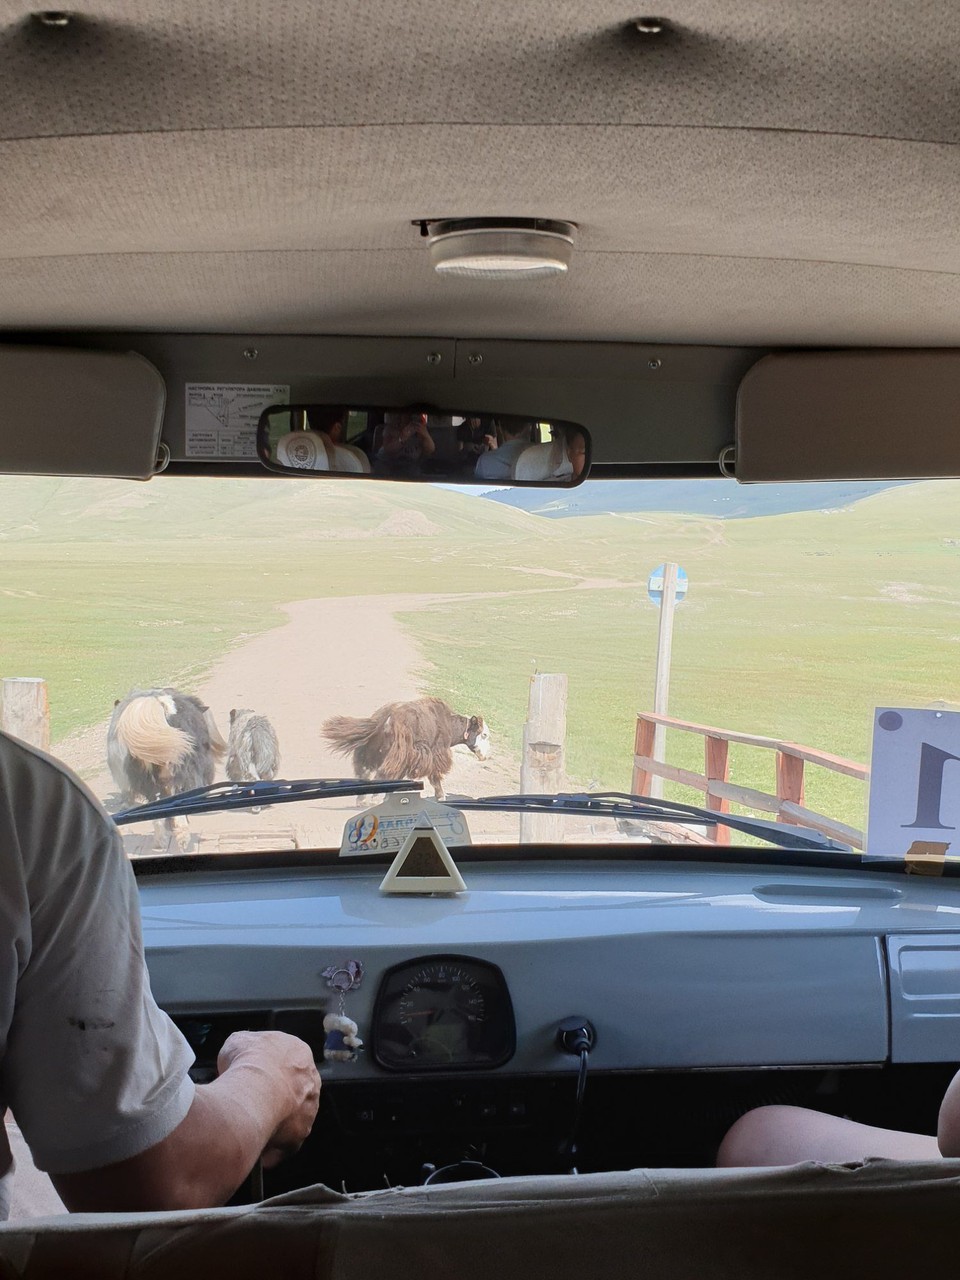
{"points": [[246, 795], [620, 804], [604, 804]]}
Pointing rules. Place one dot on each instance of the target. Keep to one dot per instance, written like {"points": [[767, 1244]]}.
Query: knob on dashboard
{"points": [[576, 1034]]}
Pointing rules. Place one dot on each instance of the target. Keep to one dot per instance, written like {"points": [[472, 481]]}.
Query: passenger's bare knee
{"points": [[748, 1139]]}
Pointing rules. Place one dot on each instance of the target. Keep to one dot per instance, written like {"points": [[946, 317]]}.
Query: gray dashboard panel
{"points": [[678, 967]]}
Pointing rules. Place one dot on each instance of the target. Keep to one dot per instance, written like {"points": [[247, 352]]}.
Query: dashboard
{"points": [[697, 976], [677, 966]]}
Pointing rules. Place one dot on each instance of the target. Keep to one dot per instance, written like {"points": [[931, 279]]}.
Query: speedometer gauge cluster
{"points": [[443, 1013]]}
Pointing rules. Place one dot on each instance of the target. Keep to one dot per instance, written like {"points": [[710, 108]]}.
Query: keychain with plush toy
{"points": [[341, 1041]]}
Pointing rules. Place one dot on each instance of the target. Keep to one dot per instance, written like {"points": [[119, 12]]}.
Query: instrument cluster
{"points": [[443, 1013]]}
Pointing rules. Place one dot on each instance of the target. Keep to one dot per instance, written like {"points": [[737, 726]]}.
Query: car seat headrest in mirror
{"points": [[543, 462], [303, 451]]}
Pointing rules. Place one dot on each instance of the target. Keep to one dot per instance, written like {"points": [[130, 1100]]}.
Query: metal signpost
{"points": [[666, 586]]}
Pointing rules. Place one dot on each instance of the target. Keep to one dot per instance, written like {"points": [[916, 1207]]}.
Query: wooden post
{"points": [[543, 768], [661, 689], [25, 710], [643, 747], [789, 783], [716, 765]]}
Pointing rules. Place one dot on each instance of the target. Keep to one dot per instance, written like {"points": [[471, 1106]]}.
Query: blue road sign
{"points": [[655, 584]]}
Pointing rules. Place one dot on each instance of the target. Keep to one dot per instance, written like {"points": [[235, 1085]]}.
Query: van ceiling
{"points": [[760, 173]]}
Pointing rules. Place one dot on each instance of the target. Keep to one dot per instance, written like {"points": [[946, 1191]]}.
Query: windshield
{"points": [[518, 629]]}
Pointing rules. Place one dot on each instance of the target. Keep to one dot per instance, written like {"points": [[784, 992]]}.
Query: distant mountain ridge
{"points": [[719, 499]]}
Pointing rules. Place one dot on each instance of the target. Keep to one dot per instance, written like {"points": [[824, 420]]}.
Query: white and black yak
{"points": [[407, 740], [160, 743]]}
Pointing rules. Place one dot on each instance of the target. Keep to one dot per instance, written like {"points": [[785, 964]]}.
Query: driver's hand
{"points": [[288, 1062]]}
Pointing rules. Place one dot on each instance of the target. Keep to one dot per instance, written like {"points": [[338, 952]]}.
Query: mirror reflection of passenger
{"points": [[475, 439], [405, 446], [327, 423], [340, 455], [561, 459], [497, 464], [576, 452], [569, 453]]}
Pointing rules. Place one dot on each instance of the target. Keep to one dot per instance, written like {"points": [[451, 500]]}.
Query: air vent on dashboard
{"points": [[206, 1032]]}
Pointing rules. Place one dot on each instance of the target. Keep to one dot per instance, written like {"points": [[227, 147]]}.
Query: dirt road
{"points": [[290, 675]]}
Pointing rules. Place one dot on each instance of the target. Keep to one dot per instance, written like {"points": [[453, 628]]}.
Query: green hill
{"points": [[109, 584], [172, 509], [796, 626]]}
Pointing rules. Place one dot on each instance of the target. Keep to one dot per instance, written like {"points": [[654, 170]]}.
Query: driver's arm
{"points": [[94, 1072], [263, 1102]]}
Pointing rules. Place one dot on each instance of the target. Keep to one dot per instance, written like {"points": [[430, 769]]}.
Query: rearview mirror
{"points": [[421, 444]]}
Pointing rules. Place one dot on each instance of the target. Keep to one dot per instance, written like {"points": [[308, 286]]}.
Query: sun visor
{"points": [[849, 415], [65, 411]]}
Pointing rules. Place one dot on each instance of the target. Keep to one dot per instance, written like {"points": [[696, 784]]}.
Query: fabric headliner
{"points": [[764, 174]]}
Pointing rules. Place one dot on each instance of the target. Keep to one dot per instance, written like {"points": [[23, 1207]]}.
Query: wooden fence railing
{"points": [[787, 804]]}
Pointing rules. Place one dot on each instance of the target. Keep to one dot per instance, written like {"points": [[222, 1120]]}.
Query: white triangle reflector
{"points": [[423, 864]]}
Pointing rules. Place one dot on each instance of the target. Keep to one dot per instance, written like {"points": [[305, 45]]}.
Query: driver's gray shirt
{"points": [[92, 1069]]}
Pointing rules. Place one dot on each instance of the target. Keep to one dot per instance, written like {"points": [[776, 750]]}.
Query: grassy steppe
{"points": [[105, 586], [796, 625]]}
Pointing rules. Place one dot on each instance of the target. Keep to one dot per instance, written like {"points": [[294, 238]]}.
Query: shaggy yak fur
{"points": [[253, 752], [407, 740], [160, 743]]}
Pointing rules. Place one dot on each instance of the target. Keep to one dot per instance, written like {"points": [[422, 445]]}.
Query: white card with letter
{"points": [[915, 786]]}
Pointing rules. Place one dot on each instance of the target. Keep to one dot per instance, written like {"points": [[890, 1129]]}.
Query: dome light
{"points": [[501, 248]]}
